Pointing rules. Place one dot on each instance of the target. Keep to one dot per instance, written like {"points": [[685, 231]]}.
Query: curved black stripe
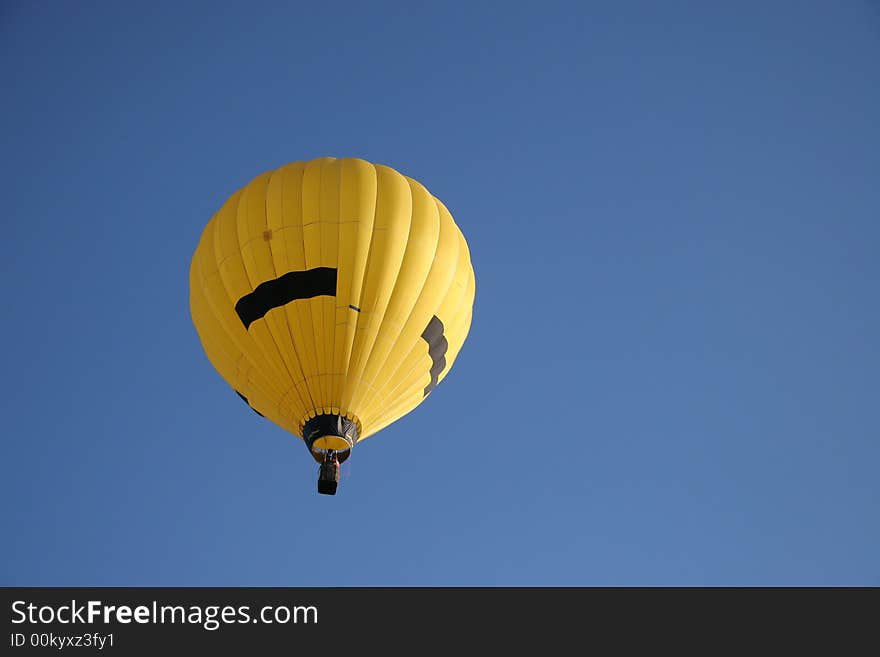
{"points": [[286, 288], [437, 347], [249, 404]]}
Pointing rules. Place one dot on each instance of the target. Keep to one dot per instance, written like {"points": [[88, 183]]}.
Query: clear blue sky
{"points": [[673, 211]]}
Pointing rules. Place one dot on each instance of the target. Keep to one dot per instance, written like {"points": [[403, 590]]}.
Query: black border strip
{"points": [[437, 348]]}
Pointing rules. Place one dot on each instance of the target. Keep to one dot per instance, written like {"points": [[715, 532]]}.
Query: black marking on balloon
{"points": [[354, 308], [249, 404], [437, 347], [279, 292]]}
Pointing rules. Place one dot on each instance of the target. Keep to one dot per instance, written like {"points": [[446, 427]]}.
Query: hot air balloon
{"points": [[333, 296]]}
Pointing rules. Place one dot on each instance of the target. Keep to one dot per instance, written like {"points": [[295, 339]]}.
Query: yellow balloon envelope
{"points": [[333, 296]]}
